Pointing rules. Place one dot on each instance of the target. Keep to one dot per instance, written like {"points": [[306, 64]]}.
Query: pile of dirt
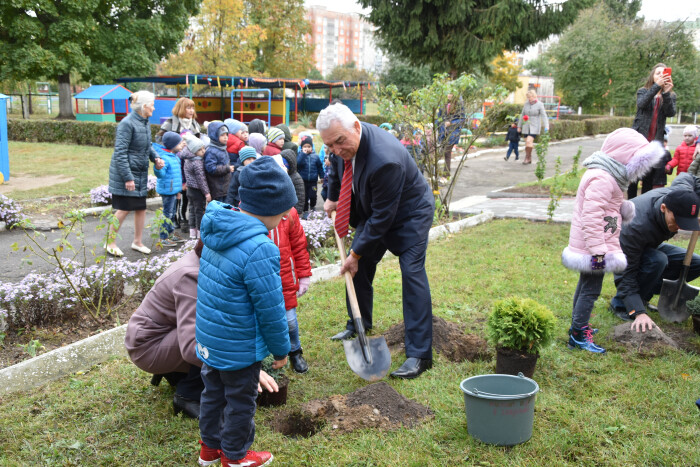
{"points": [[449, 340], [653, 341], [376, 406]]}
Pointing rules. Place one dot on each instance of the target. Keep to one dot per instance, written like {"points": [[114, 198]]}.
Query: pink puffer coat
{"points": [[600, 210]]}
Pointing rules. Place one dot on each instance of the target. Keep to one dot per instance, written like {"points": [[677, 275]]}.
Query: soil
{"points": [[13, 349], [22, 182], [512, 362], [652, 342], [54, 207], [376, 406], [449, 340]]}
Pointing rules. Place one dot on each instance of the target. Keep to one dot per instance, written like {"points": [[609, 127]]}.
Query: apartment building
{"points": [[341, 38]]}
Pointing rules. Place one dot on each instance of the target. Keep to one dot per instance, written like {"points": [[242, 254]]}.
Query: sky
{"points": [[667, 10]]}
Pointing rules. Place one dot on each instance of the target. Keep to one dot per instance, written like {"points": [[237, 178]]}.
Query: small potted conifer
{"points": [[519, 328], [693, 307], [270, 399]]}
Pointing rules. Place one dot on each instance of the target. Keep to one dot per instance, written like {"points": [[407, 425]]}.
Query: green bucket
{"points": [[500, 408]]}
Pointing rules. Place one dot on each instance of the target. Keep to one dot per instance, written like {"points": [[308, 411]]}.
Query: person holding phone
{"points": [[655, 103]]}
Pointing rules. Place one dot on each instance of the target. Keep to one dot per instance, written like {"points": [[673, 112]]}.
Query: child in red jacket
{"points": [[295, 271], [683, 156], [237, 138], [691, 133]]}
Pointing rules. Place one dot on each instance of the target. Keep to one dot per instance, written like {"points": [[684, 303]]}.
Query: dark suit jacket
{"points": [[392, 202]]}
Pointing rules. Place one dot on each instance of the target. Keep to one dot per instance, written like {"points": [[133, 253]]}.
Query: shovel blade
{"points": [[672, 299], [373, 368]]}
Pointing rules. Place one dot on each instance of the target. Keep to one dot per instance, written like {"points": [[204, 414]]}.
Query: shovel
{"points": [[370, 359], [674, 294]]}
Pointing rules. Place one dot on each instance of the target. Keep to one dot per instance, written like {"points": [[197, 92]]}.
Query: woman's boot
{"points": [[528, 156]]}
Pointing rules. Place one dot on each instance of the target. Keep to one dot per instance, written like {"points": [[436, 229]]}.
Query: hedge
{"points": [[102, 134], [65, 131]]}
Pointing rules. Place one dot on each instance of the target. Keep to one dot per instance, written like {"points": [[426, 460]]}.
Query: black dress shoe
{"points": [[188, 407], [344, 334], [412, 368], [298, 362]]}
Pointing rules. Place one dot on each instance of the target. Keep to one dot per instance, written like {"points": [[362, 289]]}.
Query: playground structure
{"points": [[113, 101], [247, 98]]}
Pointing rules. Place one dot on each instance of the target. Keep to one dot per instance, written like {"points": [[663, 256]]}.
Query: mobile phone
{"points": [[667, 71]]}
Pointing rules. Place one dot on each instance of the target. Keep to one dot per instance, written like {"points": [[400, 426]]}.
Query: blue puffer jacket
{"points": [[310, 167], [170, 176], [132, 151], [240, 307]]}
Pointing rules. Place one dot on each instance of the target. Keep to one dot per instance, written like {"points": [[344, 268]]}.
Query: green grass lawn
{"points": [[87, 166], [619, 409]]}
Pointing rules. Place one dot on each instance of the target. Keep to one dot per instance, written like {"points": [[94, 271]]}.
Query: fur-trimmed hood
{"points": [[633, 150]]}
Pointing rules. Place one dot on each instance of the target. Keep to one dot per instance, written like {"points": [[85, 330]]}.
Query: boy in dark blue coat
{"points": [[310, 168], [241, 315], [513, 138]]}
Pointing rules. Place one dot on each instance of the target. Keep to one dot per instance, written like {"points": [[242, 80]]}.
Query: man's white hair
{"points": [[336, 113], [141, 98]]}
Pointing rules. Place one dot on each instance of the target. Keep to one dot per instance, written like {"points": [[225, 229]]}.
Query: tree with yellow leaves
{"points": [[505, 70], [221, 40]]}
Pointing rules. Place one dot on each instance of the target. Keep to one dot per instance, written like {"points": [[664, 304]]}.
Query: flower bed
{"points": [[40, 299], [10, 211], [101, 195]]}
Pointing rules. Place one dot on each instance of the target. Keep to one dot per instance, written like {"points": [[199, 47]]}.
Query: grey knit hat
{"points": [[194, 144]]}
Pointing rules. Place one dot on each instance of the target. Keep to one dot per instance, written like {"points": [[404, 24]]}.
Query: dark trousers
{"points": [[311, 190], [513, 146], [227, 408], [417, 305], [191, 386], [183, 206], [198, 204], [587, 292], [647, 185], [664, 262]]}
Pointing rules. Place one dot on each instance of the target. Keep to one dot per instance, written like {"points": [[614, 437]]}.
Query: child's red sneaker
{"points": [[207, 455], [251, 459]]}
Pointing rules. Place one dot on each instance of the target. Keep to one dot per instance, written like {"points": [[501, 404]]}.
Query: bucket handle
{"points": [[509, 396], [520, 375]]}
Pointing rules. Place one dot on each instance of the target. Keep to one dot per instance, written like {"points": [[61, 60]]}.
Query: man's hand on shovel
{"points": [[641, 321], [350, 265]]}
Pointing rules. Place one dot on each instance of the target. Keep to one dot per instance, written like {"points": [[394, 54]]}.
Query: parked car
{"points": [[565, 110]]}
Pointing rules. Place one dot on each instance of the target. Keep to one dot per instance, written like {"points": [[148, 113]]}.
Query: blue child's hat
{"points": [[265, 188]]}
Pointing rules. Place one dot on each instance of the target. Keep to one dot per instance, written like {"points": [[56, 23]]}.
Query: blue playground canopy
{"points": [[105, 92]]}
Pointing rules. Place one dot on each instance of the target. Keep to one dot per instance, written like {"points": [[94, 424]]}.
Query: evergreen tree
{"points": [[465, 35]]}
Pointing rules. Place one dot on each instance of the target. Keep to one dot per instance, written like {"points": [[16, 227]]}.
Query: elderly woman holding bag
{"points": [[128, 171], [530, 124]]}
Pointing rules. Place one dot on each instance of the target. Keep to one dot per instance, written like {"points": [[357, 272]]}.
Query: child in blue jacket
{"points": [[310, 168], [241, 315], [169, 185]]}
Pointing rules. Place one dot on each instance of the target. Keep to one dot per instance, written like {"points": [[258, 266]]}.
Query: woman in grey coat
{"points": [[128, 171], [530, 124]]}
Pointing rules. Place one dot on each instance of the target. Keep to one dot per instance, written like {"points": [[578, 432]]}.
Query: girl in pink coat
{"points": [[599, 213]]}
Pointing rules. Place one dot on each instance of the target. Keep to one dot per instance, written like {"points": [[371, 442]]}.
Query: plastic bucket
{"points": [[500, 408]]}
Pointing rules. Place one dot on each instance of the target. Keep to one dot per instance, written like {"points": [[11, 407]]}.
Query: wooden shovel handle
{"points": [[349, 284], [691, 248]]}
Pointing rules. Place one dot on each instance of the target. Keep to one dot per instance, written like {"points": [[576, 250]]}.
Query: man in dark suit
{"points": [[391, 209]]}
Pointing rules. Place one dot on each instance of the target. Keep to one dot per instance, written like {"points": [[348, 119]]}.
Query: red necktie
{"points": [[342, 215]]}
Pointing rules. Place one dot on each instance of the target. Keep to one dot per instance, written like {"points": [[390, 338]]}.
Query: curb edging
{"points": [[86, 353]]}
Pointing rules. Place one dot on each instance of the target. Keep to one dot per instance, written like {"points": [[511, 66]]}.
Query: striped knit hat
{"points": [[274, 134]]}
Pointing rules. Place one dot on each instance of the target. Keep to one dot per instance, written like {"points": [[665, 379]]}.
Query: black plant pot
{"points": [[696, 324], [274, 399], [511, 362]]}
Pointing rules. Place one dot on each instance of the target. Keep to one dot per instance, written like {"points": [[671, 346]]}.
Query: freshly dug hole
{"points": [[296, 424]]}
